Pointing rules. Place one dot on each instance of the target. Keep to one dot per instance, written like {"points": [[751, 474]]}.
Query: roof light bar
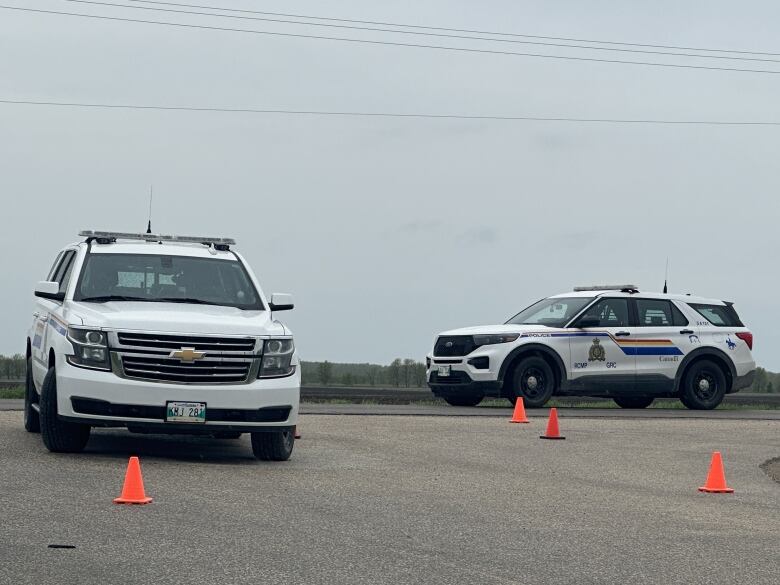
{"points": [[99, 235], [606, 287]]}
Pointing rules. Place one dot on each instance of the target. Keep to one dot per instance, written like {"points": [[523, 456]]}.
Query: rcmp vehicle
{"points": [[159, 334], [608, 341]]}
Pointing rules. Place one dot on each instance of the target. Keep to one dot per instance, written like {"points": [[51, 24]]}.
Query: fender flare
{"points": [[700, 353], [533, 347]]}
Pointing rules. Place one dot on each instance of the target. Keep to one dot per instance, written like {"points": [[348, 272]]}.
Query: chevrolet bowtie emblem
{"points": [[187, 354]]}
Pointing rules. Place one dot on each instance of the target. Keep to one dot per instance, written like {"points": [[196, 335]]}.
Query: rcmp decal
{"points": [[38, 337], [694, 339], [628, 346], [597, 353], [57, 325], [730, 344]]}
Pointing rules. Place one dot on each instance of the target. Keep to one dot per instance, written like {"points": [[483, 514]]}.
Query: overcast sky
{"points": [[389, 230]]}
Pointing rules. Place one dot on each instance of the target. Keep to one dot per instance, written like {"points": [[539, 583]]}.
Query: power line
{"points": [[391, 114], [392, 43], [462, 30], [419, 33]]}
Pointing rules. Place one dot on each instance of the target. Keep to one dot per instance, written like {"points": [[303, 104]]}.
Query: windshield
{"points": [[550, 312], [163, 278]]}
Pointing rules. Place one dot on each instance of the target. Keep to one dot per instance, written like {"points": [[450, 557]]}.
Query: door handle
{"points": [[686, 332], [622, 334]]}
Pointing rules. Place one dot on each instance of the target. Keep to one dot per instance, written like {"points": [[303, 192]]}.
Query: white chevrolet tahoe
{"points": [[610, 341], [159, 334]]}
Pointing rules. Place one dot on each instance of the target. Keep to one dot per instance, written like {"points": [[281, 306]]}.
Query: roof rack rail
{"points": [[629, 288], [103, 237]]}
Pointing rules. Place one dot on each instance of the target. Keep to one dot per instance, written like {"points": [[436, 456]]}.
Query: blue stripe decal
{"points": [[627, 349], [651, 351], [57, 326]]}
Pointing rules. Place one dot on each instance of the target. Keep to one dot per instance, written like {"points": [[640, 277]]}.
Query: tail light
{"points": [[747, 337]]}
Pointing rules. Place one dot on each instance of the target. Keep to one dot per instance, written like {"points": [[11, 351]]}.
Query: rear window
{"points": [[718, 315]]}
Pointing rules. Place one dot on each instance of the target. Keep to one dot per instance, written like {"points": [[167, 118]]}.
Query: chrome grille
{"points": [[199, 343], [147, 356], [172, 370]]}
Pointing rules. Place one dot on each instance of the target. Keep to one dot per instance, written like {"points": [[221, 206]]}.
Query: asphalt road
{"points": [[397, 500]]}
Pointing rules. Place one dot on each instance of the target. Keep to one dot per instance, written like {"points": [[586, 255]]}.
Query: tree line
{"points": [[401, 373], [406, 373]]}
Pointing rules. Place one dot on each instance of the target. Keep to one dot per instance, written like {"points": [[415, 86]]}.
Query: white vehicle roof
{"points": [[686, 298], [164, 248]]}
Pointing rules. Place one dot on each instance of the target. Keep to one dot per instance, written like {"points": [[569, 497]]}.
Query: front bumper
{"points": [[102, 398], [460, 383]]}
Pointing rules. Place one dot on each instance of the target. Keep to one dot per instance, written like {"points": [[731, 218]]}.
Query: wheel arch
{"points": [[549, 355], [716, 355]]}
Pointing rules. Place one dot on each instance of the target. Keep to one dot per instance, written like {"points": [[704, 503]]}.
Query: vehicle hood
{"points": [[176, 318], [499, 330]]}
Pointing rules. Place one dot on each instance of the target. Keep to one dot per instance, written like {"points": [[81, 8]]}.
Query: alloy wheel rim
{"points": [[533, 382], [705, 386]]}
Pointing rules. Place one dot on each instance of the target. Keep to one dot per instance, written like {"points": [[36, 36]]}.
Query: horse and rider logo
{"points": [[730, 343], [597, 352]]}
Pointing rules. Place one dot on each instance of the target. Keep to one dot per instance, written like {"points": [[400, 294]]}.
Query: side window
{"points": [[609, 313], [65, 269], [50, 275], [680, 320], [659, 313], [654, 313]]}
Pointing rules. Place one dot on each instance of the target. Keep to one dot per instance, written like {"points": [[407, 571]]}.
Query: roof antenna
{"points": [[151, 195], [666, 275]]}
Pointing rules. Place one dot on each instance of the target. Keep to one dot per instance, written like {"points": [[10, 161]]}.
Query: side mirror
{"points": [[49, 290], [281, 302], [586, 322]]}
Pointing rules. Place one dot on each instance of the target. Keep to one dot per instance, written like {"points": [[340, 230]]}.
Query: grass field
{"points": [[17, 392]]}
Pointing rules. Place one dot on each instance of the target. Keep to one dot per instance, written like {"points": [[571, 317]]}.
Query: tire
{"points": [[59, 436], [32, 421], [704, 386], [466, 400], [633, 401], [534, 381], [276, 446]]}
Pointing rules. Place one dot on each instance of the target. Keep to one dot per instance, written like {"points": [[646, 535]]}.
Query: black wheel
{"points": [[633, 401], [32, 422], [465, 400], [534, 381], [59, 436], [227, 435], [704, 386], [276, 446]]}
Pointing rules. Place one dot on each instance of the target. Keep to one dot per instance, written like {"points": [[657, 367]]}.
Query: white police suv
{"points": [[600, 341], [159, 334]]}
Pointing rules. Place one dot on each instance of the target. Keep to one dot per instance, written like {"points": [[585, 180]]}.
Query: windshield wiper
{"points": [[107, 298], [183, 300]]}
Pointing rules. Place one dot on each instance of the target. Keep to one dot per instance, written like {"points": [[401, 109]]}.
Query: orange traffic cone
{"points": [[716, 479], [296, 432], [552, 427], [519, 415], [133, 490]]}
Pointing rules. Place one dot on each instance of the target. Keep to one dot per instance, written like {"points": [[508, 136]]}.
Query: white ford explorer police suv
{"points": [[600, 341], [159, 334]]}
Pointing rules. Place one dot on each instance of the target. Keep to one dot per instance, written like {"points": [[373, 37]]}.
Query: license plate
{"points": [[189, 412], [444, 370]]}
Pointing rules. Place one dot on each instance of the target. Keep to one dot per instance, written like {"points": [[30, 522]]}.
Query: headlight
{"points": [[480, 340], [90, 349], [277, 358]]}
